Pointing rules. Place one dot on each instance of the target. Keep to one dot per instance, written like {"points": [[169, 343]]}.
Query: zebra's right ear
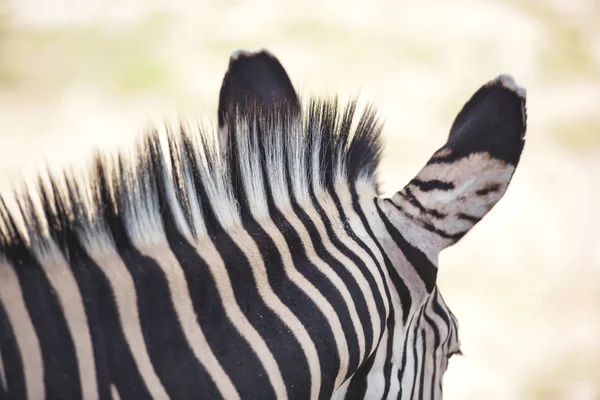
{"points": [[255, 79], [466, 177]]}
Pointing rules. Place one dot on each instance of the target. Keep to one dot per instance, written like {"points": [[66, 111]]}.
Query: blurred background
{"points": [[525, 284]]}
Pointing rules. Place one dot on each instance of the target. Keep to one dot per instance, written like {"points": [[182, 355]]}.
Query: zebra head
{"points": [[457, 187], [260, 262]]}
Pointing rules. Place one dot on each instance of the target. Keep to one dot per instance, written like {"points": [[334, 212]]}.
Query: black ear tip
{"points": [[494, 120], [244, 53], [252, 61], [256, 78], [508, 82]]}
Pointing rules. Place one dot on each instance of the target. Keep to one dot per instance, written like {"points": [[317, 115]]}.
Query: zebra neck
{"points": [[413, 250]]}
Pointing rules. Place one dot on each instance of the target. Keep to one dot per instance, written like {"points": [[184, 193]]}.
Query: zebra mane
{"points": [[184, 179]]}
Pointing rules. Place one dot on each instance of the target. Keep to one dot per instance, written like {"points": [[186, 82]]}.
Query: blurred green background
{"points": [[525, 284]]}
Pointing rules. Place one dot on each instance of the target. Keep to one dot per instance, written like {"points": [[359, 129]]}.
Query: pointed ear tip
{"points": [[508, 82], [245, 53], [239, 53]]}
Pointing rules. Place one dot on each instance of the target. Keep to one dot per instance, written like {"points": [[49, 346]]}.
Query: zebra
{"points": [[256, 260], [258, 79]]}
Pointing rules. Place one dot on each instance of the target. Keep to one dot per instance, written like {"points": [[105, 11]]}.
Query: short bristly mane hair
{"points": [[183, 180]]}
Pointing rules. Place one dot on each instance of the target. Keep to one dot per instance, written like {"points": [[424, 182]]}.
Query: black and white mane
{"points": [[183, 180]]}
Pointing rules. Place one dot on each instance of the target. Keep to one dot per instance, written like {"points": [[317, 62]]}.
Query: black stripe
{"points": [[408, 195], [432, 354], [468, 217], [342, 272], [426, 270], [399, 285], [281, 342], [307, 312], [320, 281], [422, 362], [167, 349], [61, 373], [179, 371], [358, 262], [232, 351], [297, 300], [112, 355], [344, 219], [358, 385], [330, 292], [403, 362], [291, 359], [113, 358], [433, 184], [283, 345], [454, 237], [494, 187], [442, 312], [387, 367], [278, 337], [11, 360], [416, 358]]}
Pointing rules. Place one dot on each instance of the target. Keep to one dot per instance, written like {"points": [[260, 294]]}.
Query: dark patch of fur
{"points": [[493, 121], [488, 189], [434, 184], [256, 79]]}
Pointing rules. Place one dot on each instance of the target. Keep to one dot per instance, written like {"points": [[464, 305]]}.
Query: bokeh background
{"points": [[524, 284]]}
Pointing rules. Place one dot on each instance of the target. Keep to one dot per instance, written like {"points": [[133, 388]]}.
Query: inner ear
{"points": [[255, 79]]}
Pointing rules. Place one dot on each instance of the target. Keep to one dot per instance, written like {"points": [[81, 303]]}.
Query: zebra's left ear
{"points": [[255, 79], [466, 177]]}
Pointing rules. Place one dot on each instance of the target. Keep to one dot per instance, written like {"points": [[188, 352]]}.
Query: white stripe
{"points": [[64, 284], [114, 393], [186, 315], [3, 382], [125, 296], [208, 252], [25, 335]]}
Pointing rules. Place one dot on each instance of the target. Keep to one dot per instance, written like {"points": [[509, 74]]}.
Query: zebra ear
{"points": [[466, 177], [255, 79]]}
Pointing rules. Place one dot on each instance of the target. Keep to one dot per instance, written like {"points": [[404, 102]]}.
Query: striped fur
{"points": [[266, 268], [413, 365], [411, 359]]}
